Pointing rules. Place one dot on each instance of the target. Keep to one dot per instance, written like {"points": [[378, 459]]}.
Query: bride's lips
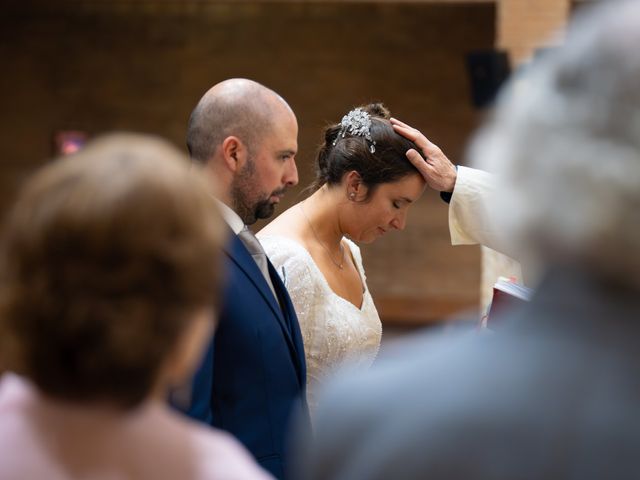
{"points": [[381, 231]]}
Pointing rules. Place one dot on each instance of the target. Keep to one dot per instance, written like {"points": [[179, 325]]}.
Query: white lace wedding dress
{"points": [[333, 329]]}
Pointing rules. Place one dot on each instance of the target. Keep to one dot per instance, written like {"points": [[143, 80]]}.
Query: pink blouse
{"points": [[43, 438]]}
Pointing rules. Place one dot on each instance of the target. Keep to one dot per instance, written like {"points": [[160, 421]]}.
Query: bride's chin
{"points": [[366, 239]]}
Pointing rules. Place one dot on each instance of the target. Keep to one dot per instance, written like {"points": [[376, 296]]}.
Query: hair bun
{"points": [[377, 110]]}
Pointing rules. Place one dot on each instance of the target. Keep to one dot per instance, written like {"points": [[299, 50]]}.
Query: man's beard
{"points": [[247, 209]]}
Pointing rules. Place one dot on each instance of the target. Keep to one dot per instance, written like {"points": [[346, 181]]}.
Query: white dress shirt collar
{"points": [[232, 218]]}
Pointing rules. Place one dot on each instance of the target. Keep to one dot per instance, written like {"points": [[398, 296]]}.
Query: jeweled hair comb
{"points": [[358, 124]]}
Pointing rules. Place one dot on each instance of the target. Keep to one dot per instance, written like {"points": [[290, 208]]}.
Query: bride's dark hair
{"points": [[387, 164]]}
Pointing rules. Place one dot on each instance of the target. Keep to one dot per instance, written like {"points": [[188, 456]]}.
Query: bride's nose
{"points": [[399, 222]]}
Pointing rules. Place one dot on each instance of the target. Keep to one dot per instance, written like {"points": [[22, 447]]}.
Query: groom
{"points": [[253, 375]]}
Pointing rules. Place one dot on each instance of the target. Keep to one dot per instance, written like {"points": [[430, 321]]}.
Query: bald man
{"points": [[253, 376]]}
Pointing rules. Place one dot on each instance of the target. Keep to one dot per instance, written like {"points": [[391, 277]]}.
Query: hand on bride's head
{"points": [[437, 170]]}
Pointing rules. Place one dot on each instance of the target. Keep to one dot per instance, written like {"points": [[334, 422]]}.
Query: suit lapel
{"points": [[292, 323], [242, 258]]}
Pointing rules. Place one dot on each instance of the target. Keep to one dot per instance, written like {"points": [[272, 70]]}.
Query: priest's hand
{"points": [[437, 170]]}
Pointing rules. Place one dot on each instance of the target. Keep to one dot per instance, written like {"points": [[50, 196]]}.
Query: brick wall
{"points": [[526, 25], [141, 66]]}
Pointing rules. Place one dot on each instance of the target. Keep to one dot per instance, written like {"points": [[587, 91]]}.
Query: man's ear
{"points": [[234, 153], [356, 190]]}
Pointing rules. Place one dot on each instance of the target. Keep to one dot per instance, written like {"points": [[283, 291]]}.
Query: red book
{"points": [[507, 294]]}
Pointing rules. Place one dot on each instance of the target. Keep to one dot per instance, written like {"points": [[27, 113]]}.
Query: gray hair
{"points": [[565, 141]]}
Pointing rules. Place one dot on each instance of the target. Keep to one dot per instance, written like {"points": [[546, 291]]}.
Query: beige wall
{"points": [[526, 25]]}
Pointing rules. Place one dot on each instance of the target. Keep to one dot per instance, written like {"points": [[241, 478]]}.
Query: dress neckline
{"points": [[365, 289]]}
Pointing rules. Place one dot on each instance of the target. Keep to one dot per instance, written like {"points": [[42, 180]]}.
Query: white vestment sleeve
{"points": [[469, 211]]}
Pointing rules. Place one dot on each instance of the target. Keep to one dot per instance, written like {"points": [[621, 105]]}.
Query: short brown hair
{"points": [[105, 257]]}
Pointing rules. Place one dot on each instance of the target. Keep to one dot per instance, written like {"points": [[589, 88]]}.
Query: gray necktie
{"points": [[257, 252]]}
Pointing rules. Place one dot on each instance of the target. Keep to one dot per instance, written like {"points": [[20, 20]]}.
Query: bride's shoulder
{"points": [[290, 258], [283, 234], [273, 240], [287, 224], [280, 248]]}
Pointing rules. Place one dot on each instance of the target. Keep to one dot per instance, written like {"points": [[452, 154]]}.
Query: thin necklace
{"points": [[340, 265]]}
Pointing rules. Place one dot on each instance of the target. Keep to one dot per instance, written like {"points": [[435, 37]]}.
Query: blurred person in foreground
{"points": [[553, 394], [108, 273]]}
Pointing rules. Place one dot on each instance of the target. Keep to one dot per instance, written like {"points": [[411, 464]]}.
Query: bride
{"points": [[364, 187]]}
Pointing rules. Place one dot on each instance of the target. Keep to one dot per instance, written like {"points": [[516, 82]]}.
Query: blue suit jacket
{"points": [[253, 375]]}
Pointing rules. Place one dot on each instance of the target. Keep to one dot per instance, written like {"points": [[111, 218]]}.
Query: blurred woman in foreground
{"points": [[108, 281]]}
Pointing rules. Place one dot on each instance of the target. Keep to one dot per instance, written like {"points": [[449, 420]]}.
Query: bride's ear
{"points": [[356, 190]]}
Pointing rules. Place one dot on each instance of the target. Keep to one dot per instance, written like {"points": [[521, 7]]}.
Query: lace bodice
{"points": [[333, 329]]}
